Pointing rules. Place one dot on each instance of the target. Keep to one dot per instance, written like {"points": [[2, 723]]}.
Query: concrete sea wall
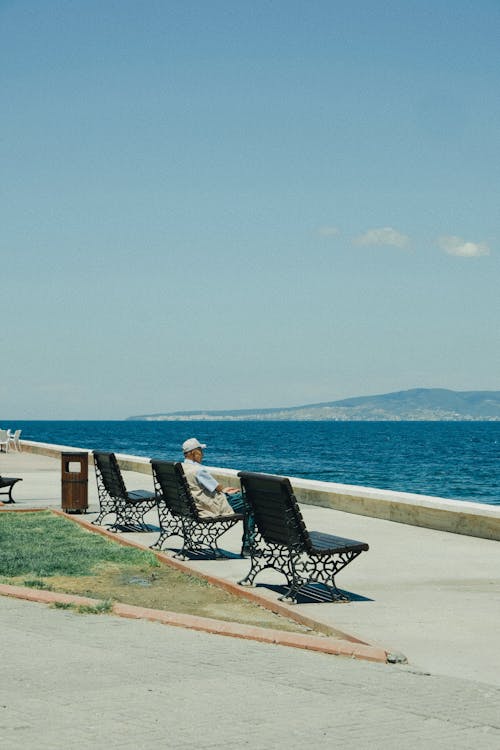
{"points": [[456, 516]]}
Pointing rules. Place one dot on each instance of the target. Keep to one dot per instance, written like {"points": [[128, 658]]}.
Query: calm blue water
{"points": [[448, 459]]}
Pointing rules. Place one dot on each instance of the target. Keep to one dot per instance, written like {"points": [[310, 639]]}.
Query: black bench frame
{"points": [[282, 541], [129, 507], [178, 514], [9, 482]]}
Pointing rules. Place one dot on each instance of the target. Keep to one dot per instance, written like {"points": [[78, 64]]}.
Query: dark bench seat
{"points": [[9, 482], [308, 559]]}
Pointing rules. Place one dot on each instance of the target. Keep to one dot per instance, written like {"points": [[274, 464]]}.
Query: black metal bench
{"points": [[178, 514], [308, 559], [129, 507], [9, 482]]}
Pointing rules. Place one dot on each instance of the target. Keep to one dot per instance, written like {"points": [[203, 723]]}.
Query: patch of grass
{"points": [[43, 545], [101, 608], [37, 583]]}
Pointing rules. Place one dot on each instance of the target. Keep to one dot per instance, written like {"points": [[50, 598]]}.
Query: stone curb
{"points": [[207, 624], [42, 596]]}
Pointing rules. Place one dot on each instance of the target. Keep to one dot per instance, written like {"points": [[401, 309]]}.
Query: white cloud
{"points": [[328, 231], [457, 246], [383, 236]]}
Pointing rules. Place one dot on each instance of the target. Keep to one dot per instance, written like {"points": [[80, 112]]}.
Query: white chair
{"points": [[4, 440], [14, 440]]}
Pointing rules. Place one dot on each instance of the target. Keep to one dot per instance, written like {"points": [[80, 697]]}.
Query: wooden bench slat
{"points": [[326, 542]]}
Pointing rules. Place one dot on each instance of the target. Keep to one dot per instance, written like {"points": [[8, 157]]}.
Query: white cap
{"points": [[191, 444]]}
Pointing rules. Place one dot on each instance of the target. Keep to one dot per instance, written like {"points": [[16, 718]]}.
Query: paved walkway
{"points": [[86, 681], [92, 681]]}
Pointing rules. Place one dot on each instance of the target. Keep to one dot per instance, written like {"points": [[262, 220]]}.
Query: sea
{"points": [[458, 460]]}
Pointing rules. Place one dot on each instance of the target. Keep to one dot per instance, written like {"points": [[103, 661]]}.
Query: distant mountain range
{"points": [[429, 404]]}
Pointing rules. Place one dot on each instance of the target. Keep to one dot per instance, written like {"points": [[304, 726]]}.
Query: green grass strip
{"points": [[41, 545]]}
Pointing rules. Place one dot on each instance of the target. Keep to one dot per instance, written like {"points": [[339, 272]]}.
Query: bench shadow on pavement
{"points": [[313, 594], [200, 555]]}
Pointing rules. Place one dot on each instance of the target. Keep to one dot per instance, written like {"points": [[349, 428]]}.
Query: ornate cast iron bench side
{"points": [[9, 482], [129, 507], [178, 514], [306, 558]]}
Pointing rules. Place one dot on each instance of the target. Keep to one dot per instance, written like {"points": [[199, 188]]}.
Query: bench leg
{"points": [[168, 525], [11, 499], [264, 555], [314, 576], [202, 539]]}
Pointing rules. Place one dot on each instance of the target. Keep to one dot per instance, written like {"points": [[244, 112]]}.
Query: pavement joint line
{"points": [[345, 646]]}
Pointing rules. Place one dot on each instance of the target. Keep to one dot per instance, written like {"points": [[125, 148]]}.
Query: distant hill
{"points": [[430, 404]]}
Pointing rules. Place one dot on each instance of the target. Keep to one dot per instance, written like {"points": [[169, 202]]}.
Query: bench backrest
{"points": [[170, 482], [275, 509], [107, 466]]}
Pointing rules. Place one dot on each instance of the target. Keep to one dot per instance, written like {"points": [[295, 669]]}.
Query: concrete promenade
{"points": [[100, 681]]}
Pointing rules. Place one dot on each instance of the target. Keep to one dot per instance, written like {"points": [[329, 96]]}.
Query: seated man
{"points": [[210, 497]]}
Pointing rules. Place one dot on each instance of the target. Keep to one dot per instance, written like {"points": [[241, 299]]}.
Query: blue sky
{"points": [[215, 204]]}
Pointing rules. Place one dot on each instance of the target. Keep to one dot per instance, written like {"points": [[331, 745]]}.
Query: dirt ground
{"points": [[167, 589]]}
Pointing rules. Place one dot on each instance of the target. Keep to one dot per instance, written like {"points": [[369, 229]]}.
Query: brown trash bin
{"points": [[74, 482]]}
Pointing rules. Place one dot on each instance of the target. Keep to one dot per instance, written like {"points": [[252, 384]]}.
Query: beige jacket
{"points": [[208, 503]]}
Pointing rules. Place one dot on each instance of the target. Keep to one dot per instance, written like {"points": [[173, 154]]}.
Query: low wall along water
{"points": [[456, 516]]}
